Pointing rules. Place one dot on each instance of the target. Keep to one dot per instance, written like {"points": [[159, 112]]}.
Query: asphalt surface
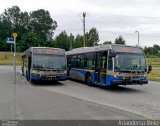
{"points": [[55, 101], [142, 100]]}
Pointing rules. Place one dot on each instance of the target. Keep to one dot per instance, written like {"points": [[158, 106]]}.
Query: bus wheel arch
{"points": [[88, 79]]}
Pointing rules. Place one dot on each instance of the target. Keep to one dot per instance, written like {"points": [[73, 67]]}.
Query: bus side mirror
{"points": [[149, 68], [112, 54]]}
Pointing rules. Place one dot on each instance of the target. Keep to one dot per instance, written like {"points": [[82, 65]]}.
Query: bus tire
{"points": [[88, 80]]}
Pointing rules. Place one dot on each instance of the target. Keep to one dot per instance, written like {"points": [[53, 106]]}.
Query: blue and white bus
{"points": [[44, 63], [108, 65]]}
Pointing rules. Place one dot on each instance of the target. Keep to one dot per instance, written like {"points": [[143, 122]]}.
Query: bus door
{"points": [[97, 67], [29, 66], [100, 69]]}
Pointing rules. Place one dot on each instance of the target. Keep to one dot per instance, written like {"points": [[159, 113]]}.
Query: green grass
{"points": [[153, 61], [6, 58], [154, 75]]}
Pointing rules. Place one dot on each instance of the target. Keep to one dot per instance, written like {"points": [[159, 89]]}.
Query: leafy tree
{"points": [[107, 42], [50, 43], [62, 41], [34, 28], [156, 48], [17, 20], [92, 37], [78, 41], [120, 40], [4, 26], [29, 39], [12, 15], [152, 50], [42, 24]]}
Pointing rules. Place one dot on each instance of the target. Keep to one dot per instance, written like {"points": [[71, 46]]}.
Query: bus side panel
{"points": [[93, 77], [108, 80], [78, 74], [111, 80]]}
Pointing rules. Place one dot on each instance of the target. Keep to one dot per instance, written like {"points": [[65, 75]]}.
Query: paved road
{"points": [[143, 100], [24, 101]]}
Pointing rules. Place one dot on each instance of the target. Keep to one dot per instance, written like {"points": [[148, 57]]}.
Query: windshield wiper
{"points": [[54, 68]]}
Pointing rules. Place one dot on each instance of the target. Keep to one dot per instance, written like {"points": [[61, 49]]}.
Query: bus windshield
{"points": [[129, 62], [49, 62]]}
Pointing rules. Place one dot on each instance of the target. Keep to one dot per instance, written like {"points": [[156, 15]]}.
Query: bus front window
{"points": [[49, 62], [129, 62]]}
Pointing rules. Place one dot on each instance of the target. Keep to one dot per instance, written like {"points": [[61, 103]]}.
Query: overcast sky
{"points": [[111, 17]]}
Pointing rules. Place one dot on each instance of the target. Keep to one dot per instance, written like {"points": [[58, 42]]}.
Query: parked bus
{"points": [[108, 65], [44, 63]]}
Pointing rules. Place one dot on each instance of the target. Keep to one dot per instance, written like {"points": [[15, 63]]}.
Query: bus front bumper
{"points": [[129, 82], [49, 77]]}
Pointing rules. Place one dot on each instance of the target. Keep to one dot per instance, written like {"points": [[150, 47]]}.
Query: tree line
{"points": [[152, 51], [36, 28], [33, 28]]}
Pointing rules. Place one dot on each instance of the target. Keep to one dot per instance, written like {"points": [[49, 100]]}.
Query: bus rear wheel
{"points": [[88, 80]]}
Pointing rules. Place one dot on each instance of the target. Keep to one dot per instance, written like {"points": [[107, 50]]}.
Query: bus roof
{"points": [[89, 49], [126, 48], [31, 49], [114, 47]]}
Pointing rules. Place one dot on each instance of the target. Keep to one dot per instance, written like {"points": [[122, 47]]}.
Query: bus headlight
{"points": [[65, 72], [34, 71], [115, 75]]}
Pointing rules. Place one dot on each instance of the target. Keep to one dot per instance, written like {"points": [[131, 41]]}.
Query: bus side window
{"points": [[74, 60], [104, 64], [89, 61], [110, 64], [80, 61], [104, 61]]}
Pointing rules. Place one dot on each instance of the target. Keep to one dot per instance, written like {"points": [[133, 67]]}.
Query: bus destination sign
{"points": [[48, 51], [127, 49]]}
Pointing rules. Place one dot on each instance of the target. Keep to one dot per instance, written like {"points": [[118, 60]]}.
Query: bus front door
{"points": [[100, 69]]}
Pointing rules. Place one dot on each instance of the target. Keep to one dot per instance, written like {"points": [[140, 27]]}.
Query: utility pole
{"points": [[138, 37], [11, 45], [84, 38], [11, 48], [14, 55], [13, 41]]}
